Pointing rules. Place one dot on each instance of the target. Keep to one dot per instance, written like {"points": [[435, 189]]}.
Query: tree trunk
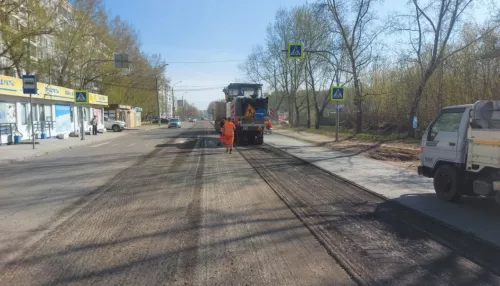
{"points": [[319, 116], [358, 101], [307, 100], [414, 108]]}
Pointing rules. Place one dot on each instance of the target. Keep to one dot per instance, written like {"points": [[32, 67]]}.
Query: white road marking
{"points": [[114, 145], [130, 145], [97, 145], [148, 144]]}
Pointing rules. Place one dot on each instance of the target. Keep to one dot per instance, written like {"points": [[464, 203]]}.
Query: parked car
{"points": [[174, 123], [115, 125], [163, 120]]}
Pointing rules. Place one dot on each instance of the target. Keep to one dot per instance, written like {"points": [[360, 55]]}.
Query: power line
{"points": [[199, 89], [207, 62]]}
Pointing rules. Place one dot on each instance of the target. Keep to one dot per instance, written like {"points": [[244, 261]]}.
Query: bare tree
{"points": [[431, 31], [354, 21]]}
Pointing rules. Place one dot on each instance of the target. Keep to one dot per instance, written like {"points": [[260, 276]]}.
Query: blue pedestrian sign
{"points": [[29, 84], [81, 97], [260, 113], [337, 94], [295, 51]]}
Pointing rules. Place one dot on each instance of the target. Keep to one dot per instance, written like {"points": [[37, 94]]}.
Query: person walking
{"points": [[221, 131], [94, 125], [229, 128]]}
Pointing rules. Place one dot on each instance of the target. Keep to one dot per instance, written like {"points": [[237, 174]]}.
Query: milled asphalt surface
{"points": [[152, 209], [380, 242]]}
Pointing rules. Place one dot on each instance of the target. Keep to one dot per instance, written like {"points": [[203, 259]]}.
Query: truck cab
{"points": [[460, 150]]}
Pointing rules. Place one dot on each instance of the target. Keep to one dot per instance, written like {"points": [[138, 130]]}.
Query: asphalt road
{"points": [[170, 207], [161, 207]]}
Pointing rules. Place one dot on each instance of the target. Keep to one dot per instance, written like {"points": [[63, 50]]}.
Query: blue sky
{"points": [[203, 31]]}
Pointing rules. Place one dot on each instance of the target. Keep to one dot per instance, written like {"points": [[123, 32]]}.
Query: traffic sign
{"points": [[337, 94], [340, 106], [272, 111], [260, 113], [29, 84], [295, 51], [81, 97], [121, 61], [415, 122]]}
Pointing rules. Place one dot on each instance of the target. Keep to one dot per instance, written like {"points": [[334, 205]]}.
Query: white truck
{"points": [[461, 151], [115, 125]]}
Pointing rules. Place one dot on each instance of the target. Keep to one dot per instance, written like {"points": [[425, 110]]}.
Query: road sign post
{"points": [[29, 87], [337, 95], [81, 98]]}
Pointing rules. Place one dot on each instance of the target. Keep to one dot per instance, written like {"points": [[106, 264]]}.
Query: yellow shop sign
{"points": [[98, 99], [54, 92], [14, 87]]}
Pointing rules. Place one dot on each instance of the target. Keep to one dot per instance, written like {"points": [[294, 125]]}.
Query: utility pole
{"points": [[173, 102], [158, 99], [307, 99]]}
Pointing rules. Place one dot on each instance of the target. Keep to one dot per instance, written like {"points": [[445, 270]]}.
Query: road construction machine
{"points": [[247, 107]]}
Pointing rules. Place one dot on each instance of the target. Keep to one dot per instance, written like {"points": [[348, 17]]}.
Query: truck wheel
{"points": [[116, 128], [447, 183]]}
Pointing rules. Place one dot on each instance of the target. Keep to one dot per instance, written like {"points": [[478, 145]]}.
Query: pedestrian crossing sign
{"points": [[81, 97], [295, 51], [337, 94]]}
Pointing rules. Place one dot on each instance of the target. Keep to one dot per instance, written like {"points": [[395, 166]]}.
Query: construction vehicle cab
{"points": [[248, 108]]}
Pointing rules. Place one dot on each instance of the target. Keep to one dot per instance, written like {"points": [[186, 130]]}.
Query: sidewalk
{"points": [[20, 152], [477, 216]]}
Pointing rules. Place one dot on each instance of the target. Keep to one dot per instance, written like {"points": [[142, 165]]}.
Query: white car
{"points": [[115, 125], [174, 123]]}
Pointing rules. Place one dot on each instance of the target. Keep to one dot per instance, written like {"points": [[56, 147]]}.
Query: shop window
{"points": [[24, 114], [48, 112], [42, 113], [34, 109]]}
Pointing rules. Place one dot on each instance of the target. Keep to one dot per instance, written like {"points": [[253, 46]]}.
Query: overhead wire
{"points": [[206, 62]]}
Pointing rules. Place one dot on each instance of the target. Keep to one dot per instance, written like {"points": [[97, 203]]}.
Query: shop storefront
{"points": [[54, 111], [97, 104]]}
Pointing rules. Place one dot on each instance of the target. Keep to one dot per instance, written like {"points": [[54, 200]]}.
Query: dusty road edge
{"points": [[72, 209]]}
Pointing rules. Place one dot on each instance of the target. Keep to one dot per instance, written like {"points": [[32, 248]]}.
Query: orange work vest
{"points": [[229, 129]]}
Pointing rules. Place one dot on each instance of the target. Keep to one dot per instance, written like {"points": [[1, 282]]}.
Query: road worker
{"points": [[221, 131], [229, 135]]}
